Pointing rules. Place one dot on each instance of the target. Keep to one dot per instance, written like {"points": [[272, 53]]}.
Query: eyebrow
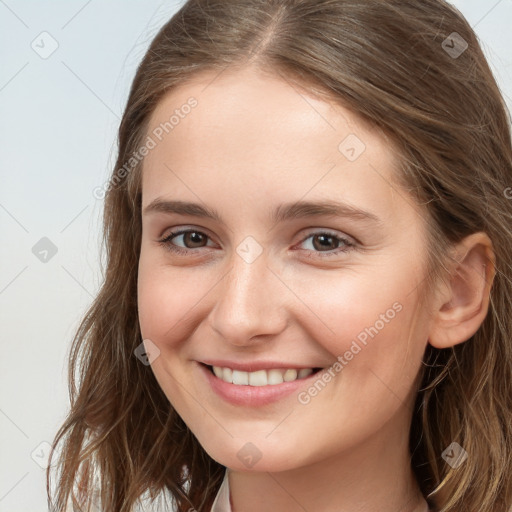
{"points": [[283, 212]]}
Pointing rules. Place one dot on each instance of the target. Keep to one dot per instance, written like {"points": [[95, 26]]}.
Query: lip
{"points": [[254, 396]]}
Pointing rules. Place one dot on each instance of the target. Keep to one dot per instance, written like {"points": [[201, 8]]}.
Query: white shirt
{"points": [[222, 503]]}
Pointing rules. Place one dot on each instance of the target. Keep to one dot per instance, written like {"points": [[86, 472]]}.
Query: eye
{"points": [[325, 244], [191, 238]]}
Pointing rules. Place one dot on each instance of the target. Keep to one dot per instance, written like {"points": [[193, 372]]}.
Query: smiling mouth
{"points": [[259, 378]]}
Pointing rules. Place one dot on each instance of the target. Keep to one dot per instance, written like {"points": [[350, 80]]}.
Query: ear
{"points": [[462, 302]]}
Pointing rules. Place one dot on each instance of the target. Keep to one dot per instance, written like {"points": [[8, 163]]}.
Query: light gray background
{"points": [[58, 121]]}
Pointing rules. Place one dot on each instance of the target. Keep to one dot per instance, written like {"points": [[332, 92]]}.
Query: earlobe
{"points": [[463, 301]]}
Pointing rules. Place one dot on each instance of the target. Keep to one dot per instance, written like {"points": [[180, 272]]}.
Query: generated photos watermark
{"points": [[150, 143], [357, 345]]}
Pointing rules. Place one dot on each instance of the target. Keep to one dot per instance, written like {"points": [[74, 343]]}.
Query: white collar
{"points": [[221, 503]]}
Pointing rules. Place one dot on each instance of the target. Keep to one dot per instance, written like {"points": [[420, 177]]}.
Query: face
{"points": [[248, 278]]}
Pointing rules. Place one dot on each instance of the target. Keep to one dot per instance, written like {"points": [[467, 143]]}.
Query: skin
{"points": [[252, 143]]}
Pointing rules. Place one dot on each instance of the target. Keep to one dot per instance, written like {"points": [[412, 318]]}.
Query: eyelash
{"points": [[347, 244]]}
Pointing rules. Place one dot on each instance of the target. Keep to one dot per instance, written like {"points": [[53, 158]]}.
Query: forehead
{"points": [[253, 102], [260, 134]]}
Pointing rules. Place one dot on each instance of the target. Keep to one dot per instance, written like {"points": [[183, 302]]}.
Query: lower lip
{"points": [[253, 396]]}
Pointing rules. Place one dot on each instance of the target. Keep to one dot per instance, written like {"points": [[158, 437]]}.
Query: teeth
{"points": [[290, 375], [240, 378], [260, 377], [274, 377], [227, 374]]}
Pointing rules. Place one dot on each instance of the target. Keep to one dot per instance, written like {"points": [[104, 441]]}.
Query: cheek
{"points": [[168, 299], [380, 335], [368, 323]]}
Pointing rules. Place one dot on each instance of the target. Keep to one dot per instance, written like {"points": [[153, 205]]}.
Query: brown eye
{"points": [[324, 244], [193, 239], [190, 240]]}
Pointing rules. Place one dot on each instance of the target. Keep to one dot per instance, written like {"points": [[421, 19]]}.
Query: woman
{"points": [[308, 270]]}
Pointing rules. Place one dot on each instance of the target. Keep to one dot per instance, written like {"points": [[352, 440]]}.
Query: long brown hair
{"points": [[400, 67]]}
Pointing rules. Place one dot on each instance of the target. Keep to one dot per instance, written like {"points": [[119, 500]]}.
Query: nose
{"points": [[250, 303]]}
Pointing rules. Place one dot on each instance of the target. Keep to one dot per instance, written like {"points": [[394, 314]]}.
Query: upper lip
{"points": [[254, 366]]}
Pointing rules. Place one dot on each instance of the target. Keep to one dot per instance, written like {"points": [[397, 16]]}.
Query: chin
{"points": [[248, 457]]}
